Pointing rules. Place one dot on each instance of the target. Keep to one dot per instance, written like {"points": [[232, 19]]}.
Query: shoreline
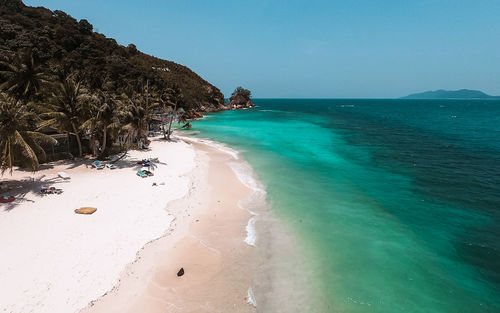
{"points": [[282, 280], [201, 217], [208, 242]]}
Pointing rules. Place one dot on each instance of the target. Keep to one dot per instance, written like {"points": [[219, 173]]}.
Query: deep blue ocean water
{"points": [[398, 201]]}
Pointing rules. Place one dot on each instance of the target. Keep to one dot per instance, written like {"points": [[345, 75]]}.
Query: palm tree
{"points": [[18, 143], [107, 110], [175, 98], [163, 97], [65, 109], [139, 111], [23, 76], [108, 117], [136, 120]]}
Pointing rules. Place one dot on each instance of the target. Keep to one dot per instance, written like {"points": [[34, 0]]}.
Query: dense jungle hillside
{"points": [[61, 45]]}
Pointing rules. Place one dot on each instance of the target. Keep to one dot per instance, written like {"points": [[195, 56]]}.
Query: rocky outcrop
{"points": [[240, 99], [239, 102], [192, 114]]}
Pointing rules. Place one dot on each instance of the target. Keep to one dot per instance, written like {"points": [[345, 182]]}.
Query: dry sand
{"points": [[208, 243], [54, 260]]}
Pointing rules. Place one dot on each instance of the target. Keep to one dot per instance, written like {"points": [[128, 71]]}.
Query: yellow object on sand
{"points": [[85, 210]]}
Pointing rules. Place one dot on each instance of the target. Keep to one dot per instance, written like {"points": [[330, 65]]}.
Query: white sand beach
{"points": [[54, 260], [207, 241]]}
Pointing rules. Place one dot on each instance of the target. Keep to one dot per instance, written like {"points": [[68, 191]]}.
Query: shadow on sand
{"points": [[20, 188]]}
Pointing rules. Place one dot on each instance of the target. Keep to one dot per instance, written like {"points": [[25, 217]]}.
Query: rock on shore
{"points": [[239, 102]]}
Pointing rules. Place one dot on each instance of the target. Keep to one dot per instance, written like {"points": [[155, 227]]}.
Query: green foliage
{"points": [[105, 112], [57, 74], [18, 142], [12, 4], [240, 91], [85, 27], [23, 77], [136, 121], [65, 109], [61, 44], [132, 49]]}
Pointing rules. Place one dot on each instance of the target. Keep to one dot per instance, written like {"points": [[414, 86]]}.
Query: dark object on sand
{"points": [[147, 172], [51, 191], [7, 199], [180, 272]]}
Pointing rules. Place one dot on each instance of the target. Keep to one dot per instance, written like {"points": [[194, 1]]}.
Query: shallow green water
{"points": [[397, 201]]}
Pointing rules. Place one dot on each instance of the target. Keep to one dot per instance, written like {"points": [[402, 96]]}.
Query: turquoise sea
{"points": [[396, 202]]}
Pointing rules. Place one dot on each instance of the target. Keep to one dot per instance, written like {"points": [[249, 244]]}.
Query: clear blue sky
{"points": [[311, 48]]}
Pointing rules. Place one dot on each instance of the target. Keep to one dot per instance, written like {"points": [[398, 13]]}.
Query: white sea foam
{"points": [[219, 146], [251, 297], [246, 175], [251, 232], [243, 170]]}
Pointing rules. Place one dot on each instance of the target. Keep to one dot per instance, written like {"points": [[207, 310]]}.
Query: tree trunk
{"points": [[171, 120], [77, 140], [105, 132], [92, 143], [163, 122]]}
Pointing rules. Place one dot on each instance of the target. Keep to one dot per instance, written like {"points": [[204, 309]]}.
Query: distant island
{"points": [[451, 94]]}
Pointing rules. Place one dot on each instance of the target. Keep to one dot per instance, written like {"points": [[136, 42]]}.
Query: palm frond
{"points": [[29, 157], [40, 138], [54, 115], [47, 123]]}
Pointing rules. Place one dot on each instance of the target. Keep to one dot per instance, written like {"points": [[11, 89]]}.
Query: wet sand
{"points": [[206, 239]]}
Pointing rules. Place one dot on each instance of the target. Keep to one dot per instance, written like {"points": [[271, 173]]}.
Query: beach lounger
{"points": [[141, 174], [98, 165], [63, 175], [110, 166]]}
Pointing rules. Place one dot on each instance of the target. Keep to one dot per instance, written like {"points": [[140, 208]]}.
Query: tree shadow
{"points": [[20, 188], [69, 163], [135, 166], [46, 166]]}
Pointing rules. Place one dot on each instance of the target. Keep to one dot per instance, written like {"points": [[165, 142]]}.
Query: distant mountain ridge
{"points": [[451, 94]]}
